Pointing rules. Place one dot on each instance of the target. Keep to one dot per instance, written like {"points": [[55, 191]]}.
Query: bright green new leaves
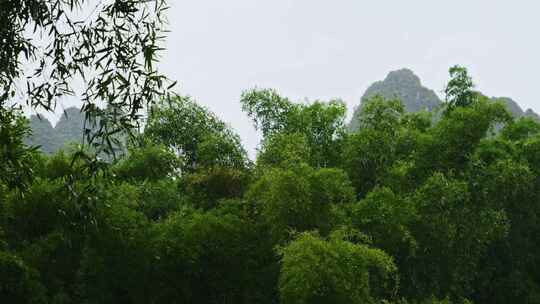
{"points": [[321, 124], [459, 90], [315, 270], [270, 112]]}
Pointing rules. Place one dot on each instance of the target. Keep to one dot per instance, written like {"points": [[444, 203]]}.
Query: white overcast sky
{"points": [[321, 49]]}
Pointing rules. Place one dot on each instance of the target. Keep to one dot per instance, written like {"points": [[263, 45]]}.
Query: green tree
{"points": [[387, 219], [315, 270], [453, 231], [521, 129], [321, 124], [203, 258], [18, 282], [149, 162], [450, 144], [370, 152], [300, 198], [15, 156], [509, 269], [283, 150], [459, 90], [117, 254], [205, 188], [195, 134]]}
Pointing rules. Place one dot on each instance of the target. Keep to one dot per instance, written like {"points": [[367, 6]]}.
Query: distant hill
{"points": [[515, 109], [69, 129], [406, 86], [532, 114]]}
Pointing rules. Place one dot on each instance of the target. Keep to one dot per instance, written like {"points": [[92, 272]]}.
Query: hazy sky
{"points": [[322, 49]]}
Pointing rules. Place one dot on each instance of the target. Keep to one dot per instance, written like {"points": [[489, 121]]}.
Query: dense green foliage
{"points": [[406, 209]]}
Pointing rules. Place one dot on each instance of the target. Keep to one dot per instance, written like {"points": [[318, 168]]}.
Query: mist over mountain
{"points": [[406, 86], [515, 109], [69, 129], [70, 126], [43, 134], [401, 84]]}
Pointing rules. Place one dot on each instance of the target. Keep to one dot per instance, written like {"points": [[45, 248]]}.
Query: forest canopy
{"points": [[408, 207]]}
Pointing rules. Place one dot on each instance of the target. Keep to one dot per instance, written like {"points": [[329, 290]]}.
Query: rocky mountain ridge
{"points": [[69, 129], [406, 86]]}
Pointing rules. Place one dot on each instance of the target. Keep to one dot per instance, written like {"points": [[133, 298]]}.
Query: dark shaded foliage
{"points": [[406, 209]]}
